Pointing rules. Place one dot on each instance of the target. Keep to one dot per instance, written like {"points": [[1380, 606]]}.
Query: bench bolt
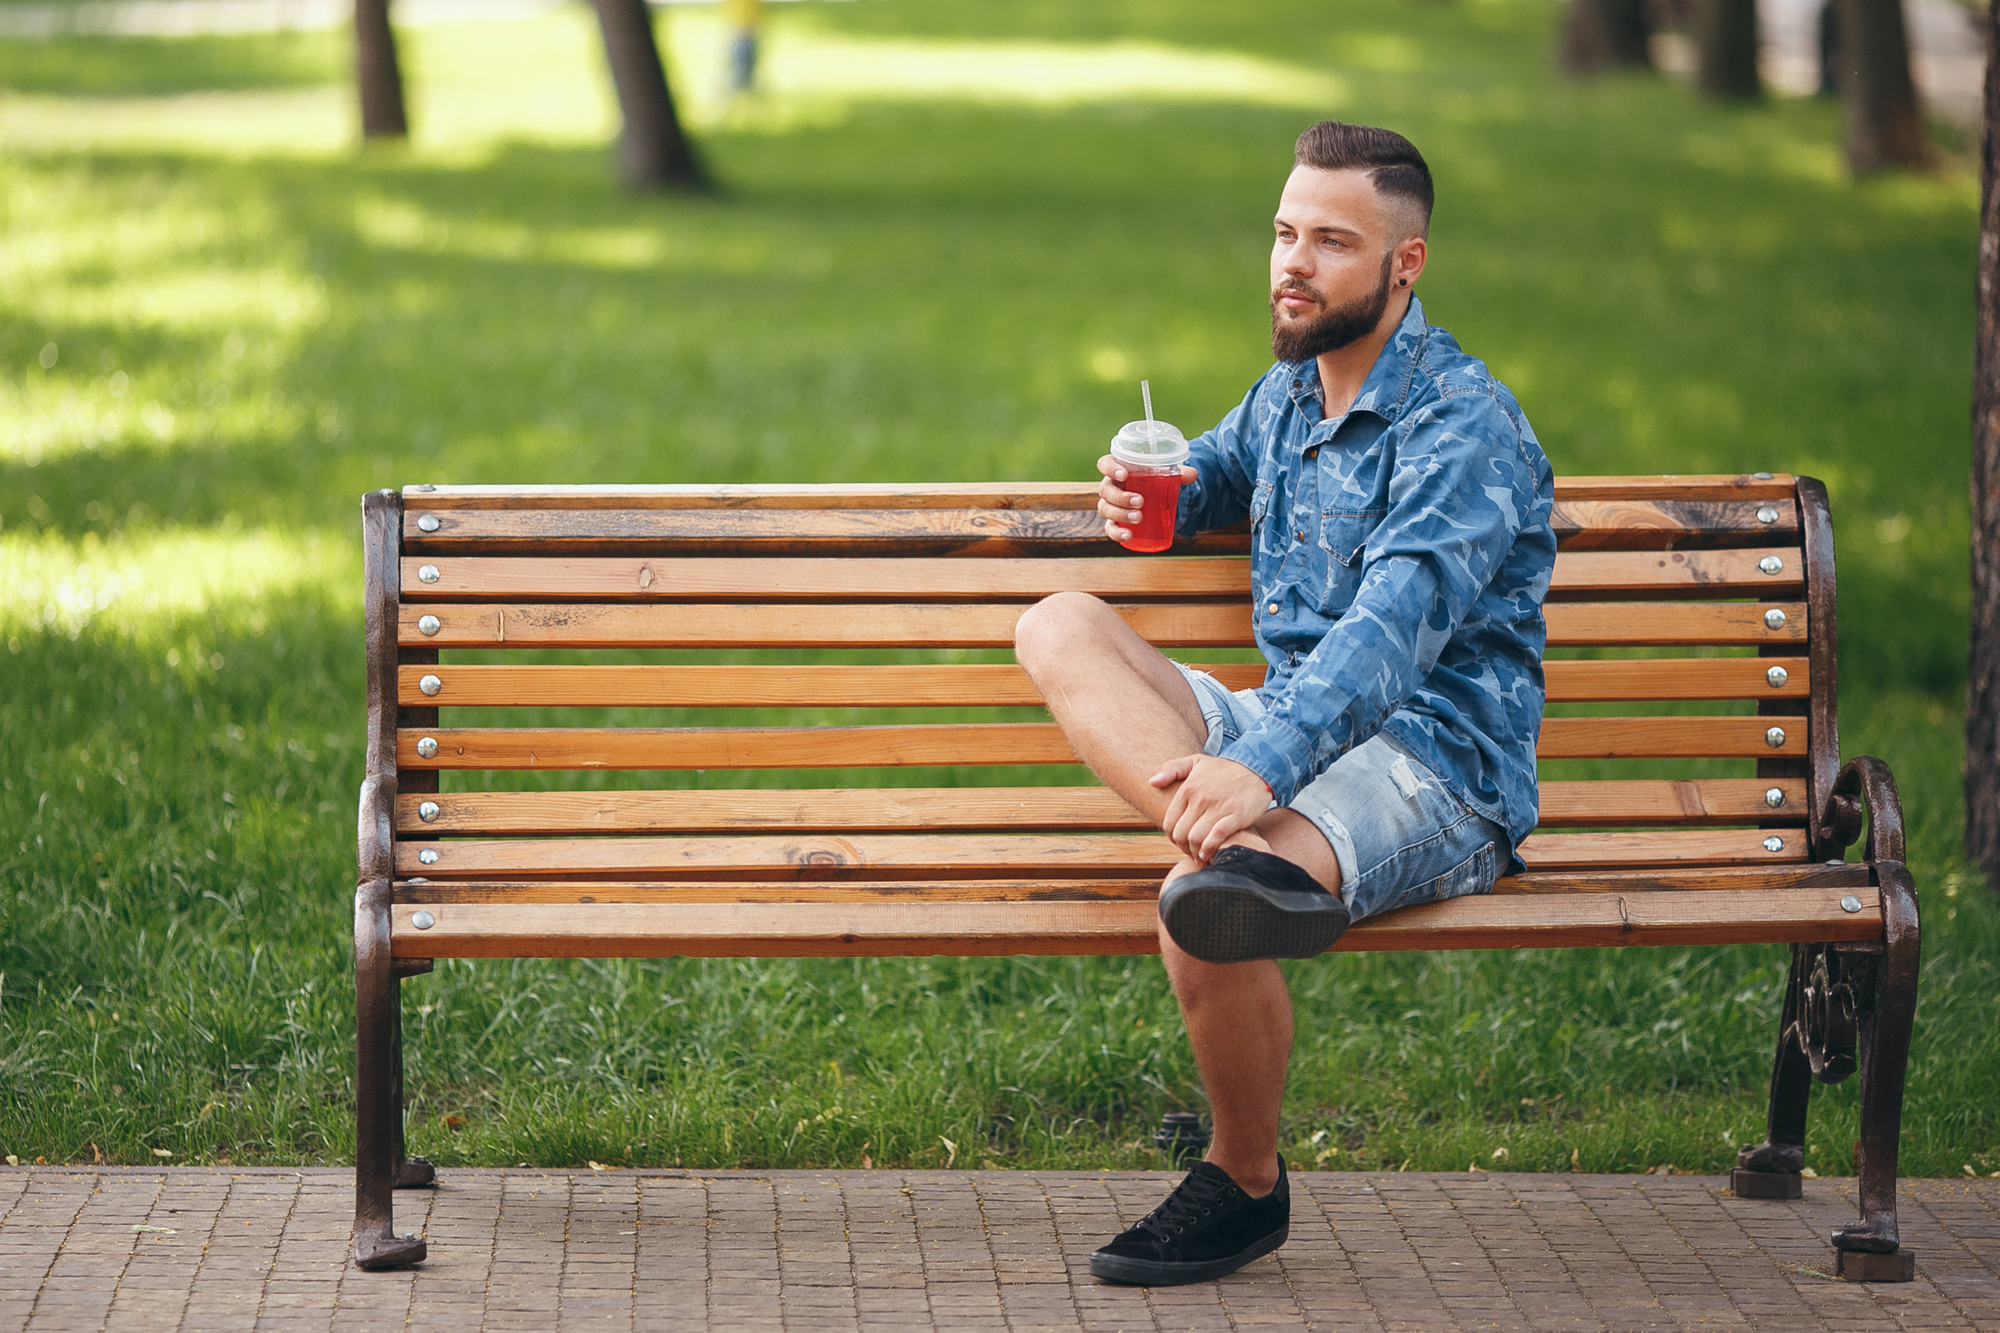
{"points": [[431, 624], [427, 746], [428, 811], [1850, 903], [1775, 738], [430, 684], [1776, 675], [1765, 514], [423, 486], [1770, 564], [1773, 619], [1774, 843], [1761, 476], [1774, 798], [429, 522], [429, 574], [428, 856], [423, 920]]}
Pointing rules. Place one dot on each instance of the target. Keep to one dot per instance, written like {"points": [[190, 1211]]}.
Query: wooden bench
{"points": [[1669, 592]]}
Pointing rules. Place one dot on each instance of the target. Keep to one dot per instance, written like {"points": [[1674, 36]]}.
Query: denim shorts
{"points": [[1399, 834]]}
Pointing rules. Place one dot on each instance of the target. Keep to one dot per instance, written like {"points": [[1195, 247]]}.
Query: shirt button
{"points": [[1300, 534], [1313, 452], [1271, 608]]}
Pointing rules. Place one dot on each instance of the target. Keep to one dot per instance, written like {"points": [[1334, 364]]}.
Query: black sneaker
{"points": [[1248, 904], [1208, 1227]]}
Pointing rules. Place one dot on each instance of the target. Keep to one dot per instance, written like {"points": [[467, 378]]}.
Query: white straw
{"points": [[1146, 392]]}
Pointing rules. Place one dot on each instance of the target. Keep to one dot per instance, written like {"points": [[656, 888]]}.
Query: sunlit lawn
{"points": [[946, 243]]}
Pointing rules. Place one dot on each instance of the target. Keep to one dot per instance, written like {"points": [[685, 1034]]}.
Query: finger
{"points": [[1111, 467], [1225, 827], [1116, 533], [1187, 475], [1174, 770]]}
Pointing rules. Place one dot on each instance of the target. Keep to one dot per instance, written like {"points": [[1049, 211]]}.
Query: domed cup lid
{"points": [[1149, 444]]}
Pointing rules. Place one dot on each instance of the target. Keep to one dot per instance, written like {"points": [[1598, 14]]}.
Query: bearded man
{"points": [[1400, 550]]}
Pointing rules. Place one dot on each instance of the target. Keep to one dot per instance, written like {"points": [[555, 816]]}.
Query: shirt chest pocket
{"points": [[1343, 537]]}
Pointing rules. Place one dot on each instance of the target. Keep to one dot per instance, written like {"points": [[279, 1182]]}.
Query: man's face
{"points": [[1331, 264]]}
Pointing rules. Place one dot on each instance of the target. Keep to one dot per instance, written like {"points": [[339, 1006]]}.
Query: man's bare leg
{"points": [[1127, 711]]}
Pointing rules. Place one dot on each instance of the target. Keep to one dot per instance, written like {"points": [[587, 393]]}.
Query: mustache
{"points": [[1293, 285]]}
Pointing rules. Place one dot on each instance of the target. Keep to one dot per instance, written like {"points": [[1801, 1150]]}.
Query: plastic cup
{"points": [[1151, 452]]}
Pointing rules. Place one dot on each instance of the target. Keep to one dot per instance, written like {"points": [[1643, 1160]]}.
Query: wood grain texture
{"points": [[1079, 494], [1034, 529], [638, 748], [1192, 624], [809, 855], [961, 809], [1786, 878], [876, 929], [634, 578], [998, 685]]}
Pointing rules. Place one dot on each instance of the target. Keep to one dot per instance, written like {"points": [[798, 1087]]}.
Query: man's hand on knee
{"points": [[1217, 799]]}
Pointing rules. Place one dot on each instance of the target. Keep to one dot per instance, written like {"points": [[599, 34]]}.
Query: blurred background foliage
{"points": [[947, 237]]}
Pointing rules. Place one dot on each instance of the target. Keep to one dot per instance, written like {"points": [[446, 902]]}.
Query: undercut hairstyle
{"points": [[1392, 162]]}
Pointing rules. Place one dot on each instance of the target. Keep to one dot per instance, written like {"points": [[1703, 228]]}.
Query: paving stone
{"points": [[827, 1250]]}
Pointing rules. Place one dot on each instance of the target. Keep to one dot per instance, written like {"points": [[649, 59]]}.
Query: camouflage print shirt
{"points": [[1400, 554]]}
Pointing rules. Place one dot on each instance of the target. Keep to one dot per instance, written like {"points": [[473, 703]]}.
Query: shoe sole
{"points": [[1159, 1273], [1237, 923]]}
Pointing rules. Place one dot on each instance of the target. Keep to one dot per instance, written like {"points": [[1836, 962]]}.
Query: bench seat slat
{"points": [[1844, 876], [959, 809], [999, 494], [997, 685], [1052, 526], [637, 748], [769, 930], [904, 625], [1057, 856], [631, 578]]}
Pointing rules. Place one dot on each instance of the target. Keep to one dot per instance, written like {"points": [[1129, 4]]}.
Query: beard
{"points": [[1309, 336]]}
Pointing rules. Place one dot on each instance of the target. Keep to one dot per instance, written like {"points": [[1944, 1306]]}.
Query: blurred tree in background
{"points": [[1982, 695]]}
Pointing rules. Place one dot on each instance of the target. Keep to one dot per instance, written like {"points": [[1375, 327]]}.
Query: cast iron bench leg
{"points": [[1869, 1252], [1771, 1169], [378, 1110]]}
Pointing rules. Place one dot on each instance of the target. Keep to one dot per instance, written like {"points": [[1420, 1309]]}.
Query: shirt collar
{"points": [[1387, 387]]}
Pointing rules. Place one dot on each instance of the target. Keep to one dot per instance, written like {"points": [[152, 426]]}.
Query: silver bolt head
{"points": [[1777, 676], [429, 574], [430, 685], [423, 920], [428, 810], [427, 747], [1770, 564], [428, 625], [429, 522], [1775, 738], [1765, 514], [1774, 797], [428, 856], [1774, 844], [1774, 619], [1850, 903], [1761, 476]]}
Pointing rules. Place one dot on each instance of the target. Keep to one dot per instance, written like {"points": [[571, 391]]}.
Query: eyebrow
{"points": [[1317, 231]]}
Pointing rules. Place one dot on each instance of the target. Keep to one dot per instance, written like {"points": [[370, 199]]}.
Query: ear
{"points": [[1408, 262]]}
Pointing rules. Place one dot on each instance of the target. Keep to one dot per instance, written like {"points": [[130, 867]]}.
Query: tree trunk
{"points": [[1982, 695], [1884, 127], [1725, 35], [651, 147], [1605, 34], [380, 81]]}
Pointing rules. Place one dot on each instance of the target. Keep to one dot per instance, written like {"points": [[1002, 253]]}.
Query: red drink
{"points": [[1162, 491]]}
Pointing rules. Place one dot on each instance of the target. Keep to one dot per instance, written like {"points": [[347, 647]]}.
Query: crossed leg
{"points": [[1127, 711]]}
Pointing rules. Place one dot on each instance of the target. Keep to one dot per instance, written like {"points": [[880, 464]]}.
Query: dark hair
{"points": [[1393, 163]]}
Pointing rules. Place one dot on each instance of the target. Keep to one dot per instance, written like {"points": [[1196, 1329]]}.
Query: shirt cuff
{"points": [[1283, 761]]}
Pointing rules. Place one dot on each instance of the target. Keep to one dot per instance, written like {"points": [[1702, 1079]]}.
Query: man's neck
{"points": [[1343, 371]]}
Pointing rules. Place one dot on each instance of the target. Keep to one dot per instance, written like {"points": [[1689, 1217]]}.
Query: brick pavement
{"points": [[202, 1250]]}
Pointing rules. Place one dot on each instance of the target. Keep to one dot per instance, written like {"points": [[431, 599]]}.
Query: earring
{"points": [[1402, 282]]}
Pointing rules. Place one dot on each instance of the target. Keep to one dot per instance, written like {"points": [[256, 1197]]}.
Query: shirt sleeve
{"points": [[1224, 460], [1457, 500]]}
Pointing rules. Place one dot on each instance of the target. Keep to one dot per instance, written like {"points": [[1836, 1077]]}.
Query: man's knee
{"points": [[1053, 627]]}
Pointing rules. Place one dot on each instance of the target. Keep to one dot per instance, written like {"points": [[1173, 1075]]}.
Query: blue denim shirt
{"points": [[1399, 557]]}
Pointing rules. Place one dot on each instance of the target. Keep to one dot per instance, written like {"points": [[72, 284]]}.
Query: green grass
{"points": [[254, 324]]}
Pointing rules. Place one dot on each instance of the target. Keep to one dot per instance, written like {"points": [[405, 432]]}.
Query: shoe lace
{"points": [[1193, 1199]]}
